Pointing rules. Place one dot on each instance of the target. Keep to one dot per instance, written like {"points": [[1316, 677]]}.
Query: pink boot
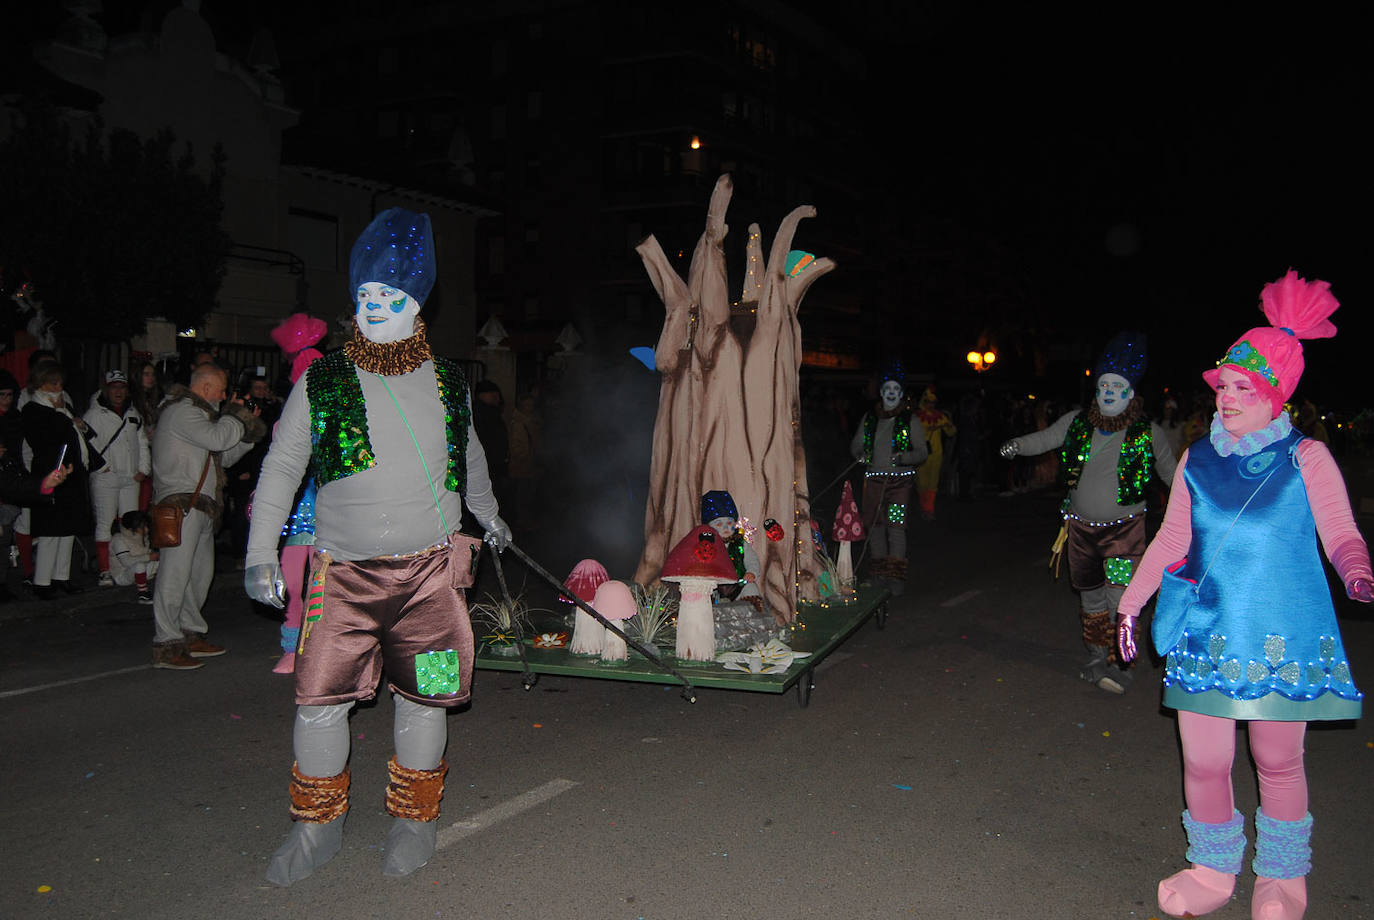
{"points": [[1279, 899], [1216, 851], [1196, 891], [1283, 857]]}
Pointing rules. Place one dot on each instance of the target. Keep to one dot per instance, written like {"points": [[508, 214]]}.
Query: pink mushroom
{"points": [[698, 563], [849, 527], [588, 635], [615, 602]]}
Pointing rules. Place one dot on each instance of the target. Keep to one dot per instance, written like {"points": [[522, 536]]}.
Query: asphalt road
{"points": [[948, 766]]}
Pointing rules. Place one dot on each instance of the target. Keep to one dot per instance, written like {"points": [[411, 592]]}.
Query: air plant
{"points": [[830, 581], [652, 626], [503, 622]]}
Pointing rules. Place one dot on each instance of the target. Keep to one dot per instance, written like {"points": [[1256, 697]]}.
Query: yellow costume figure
{"points": [[938, 427]]}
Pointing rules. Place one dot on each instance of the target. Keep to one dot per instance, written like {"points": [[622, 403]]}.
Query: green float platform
{"points": [[820, 629]]}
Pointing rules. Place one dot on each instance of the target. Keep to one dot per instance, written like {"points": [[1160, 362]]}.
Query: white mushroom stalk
{"points": [[844, 565], [589, 636], [616, 603], [696, 622], [698, 563]]}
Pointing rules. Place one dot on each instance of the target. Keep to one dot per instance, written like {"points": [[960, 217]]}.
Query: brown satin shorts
{"points": [[1093, 551], [401, 615]]}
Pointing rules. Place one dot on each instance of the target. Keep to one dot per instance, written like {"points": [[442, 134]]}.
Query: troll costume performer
{"points": [[1106, 454], [891, 444], [1244, 618], [384, 429]]}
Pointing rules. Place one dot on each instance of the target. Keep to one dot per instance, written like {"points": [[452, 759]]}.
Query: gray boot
{"points": [[307, 848], [409, 845], [1115, 679]]}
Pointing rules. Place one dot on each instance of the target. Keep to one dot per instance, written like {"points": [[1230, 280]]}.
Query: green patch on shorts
{"points": [[1118, 570], [436, 673]]}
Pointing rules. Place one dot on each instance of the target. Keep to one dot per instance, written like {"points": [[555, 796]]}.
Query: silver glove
{"points": [[498, 535], [1010, 449], [264, 584]]}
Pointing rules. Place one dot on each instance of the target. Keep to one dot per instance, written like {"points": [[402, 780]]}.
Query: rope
{"points": [[434, 493]]}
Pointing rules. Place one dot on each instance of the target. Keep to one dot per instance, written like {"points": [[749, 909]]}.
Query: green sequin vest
{"points": [[340, 445], [1132, 467], [901, 434]]}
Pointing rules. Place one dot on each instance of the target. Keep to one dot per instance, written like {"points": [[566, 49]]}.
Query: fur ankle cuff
{"points": [[318, 799], [414, 794]]}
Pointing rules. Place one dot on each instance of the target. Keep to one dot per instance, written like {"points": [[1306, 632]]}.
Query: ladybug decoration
{"points": [[706, 546], [773, 529]]}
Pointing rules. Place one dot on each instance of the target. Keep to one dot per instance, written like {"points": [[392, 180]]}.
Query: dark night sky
{"points": [[1136, 166], [1147, 172]]}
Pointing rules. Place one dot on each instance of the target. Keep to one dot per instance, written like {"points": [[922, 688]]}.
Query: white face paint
{"points": [[891, 394], [725, 526], [1114, 394], [385, 313]]}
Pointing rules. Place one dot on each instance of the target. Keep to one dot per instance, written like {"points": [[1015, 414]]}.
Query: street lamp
{"points": [[981, 360]]}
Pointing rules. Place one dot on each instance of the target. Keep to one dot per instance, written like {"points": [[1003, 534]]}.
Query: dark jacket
{"points": [[18, 486], [491, 431], [69, 514]]}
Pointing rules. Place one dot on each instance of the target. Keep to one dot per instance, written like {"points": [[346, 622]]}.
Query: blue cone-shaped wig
{"points": [[718, 504], [397, 248], [1125, 354]]}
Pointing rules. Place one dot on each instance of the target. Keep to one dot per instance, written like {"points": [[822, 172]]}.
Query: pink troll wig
{"points": [[1271, 356], [295, 336]]}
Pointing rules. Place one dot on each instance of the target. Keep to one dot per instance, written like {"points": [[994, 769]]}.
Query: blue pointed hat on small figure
{"points": [[397, 248]]}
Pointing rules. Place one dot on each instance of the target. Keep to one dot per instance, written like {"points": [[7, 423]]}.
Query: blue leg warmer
{"points": [[1281, 847], [1216, 846]]}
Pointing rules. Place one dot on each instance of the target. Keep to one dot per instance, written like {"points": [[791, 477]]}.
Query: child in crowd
{"points": [[132, 559]]}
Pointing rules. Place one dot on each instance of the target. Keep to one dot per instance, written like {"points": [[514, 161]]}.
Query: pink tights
{"points": [[1209, 749], [294, 560]]}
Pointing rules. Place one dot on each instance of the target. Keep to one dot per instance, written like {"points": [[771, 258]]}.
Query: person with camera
{"points": [[243, 475], [198, 433]]}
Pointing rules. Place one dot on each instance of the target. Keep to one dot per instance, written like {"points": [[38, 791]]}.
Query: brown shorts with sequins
{"points": [[1091, 545], [398, 614]]}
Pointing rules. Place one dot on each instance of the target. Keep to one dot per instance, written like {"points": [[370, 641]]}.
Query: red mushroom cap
{"points": [[700, 554], [614, 601], [849, 525], [584, 579]]}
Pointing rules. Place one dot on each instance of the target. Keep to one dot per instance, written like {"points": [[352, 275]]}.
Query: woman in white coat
{"points": [[117, 435]]}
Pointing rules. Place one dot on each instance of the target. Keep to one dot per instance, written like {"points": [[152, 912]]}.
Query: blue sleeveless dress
{"points": [[1261, 641]]}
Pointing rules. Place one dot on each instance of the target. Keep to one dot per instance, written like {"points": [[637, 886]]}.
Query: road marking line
{"points": [[506, 810], [958, 599], [75, 680]]}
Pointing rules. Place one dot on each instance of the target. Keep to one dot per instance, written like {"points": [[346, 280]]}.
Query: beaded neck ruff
{"points": [[1116, 422], [1245, 445], [903, 407], [389, 358]]}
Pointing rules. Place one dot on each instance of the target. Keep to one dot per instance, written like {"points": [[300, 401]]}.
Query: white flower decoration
{"points": [[771, 657]]}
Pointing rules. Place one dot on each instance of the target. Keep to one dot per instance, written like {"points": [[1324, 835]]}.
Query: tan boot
{"points": [[173, 657], [197, 647]]}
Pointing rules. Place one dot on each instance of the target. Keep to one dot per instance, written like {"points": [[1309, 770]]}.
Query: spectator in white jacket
{"points": [[117, 435]]}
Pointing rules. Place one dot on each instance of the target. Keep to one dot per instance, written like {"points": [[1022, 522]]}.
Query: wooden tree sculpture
{"points": [[729, 412]]}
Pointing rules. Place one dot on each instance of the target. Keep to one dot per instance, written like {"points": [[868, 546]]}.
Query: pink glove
{"points": [[1125, 637], [1360, 589]]}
